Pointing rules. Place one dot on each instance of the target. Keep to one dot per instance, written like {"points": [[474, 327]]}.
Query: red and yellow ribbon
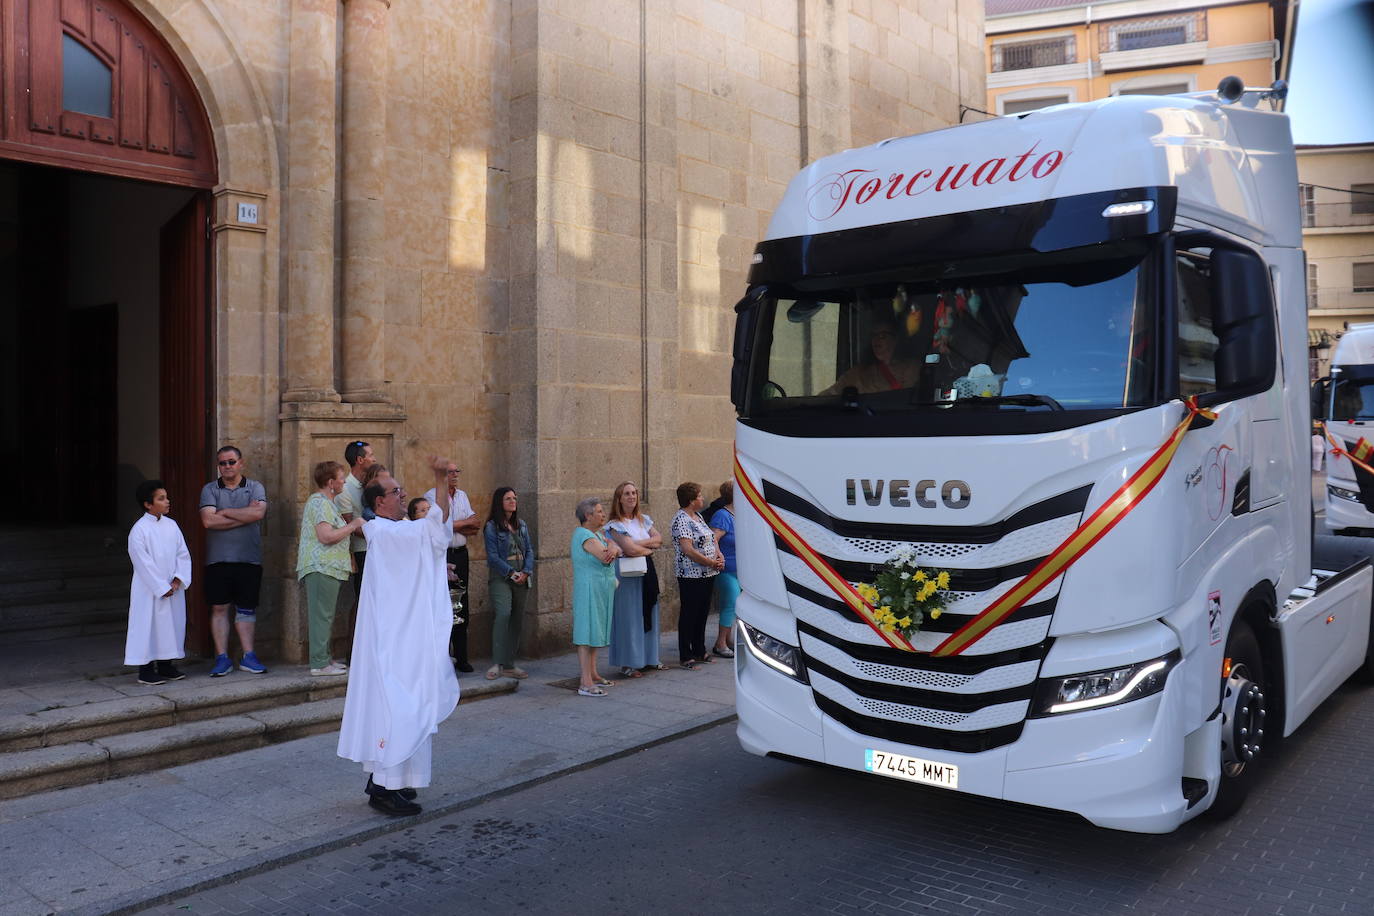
{"points": [[838, 583], [1126, 498], [1358, 454]]}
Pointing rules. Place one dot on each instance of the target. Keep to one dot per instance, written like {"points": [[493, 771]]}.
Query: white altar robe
{"points": [[157, 625], [401, 683]]}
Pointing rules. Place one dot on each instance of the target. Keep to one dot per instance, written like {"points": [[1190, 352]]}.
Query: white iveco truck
{"points": [[1346, 401], [979, 344]]}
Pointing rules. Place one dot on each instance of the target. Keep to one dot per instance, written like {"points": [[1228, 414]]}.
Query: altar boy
{"points": [[157, 595]]}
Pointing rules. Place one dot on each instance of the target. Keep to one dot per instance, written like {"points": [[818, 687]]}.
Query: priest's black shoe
{"points": [[389, 802], [374, 789], [169, 671]]}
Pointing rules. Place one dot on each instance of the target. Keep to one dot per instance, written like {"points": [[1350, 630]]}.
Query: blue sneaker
{"points": [[250, 663], [222, 666]]}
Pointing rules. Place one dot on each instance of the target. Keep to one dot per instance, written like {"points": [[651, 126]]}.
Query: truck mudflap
{"points": [[1324, 626]]}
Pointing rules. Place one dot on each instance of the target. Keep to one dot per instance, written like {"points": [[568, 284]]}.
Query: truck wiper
{"points": [[1028, 400]]}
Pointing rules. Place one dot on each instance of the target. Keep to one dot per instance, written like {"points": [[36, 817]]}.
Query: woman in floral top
{"points": [[323, 563], [697, 563]]}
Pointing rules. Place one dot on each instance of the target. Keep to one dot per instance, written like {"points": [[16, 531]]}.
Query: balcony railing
{"points": [[1157, 32], [1340, 213], [1028, 55], [1340, 298]]}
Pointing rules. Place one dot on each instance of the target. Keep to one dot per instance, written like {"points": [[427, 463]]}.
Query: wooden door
{"points": [[186, 389]]}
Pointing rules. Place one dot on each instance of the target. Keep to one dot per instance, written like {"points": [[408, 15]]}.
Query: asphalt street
{"points": [[698, 825]]}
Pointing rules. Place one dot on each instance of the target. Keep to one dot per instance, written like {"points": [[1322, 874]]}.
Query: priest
{"points": [[400, 683], [157, 594]]}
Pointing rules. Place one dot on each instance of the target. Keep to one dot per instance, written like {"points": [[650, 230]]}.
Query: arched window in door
{"points": [[86, 82], [94, 87]]}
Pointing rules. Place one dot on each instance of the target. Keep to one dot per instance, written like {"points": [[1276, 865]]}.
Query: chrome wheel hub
{"points": [[1242, 724]]}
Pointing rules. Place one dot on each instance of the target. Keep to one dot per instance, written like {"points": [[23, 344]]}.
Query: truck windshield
{"points": [[1077, 334], [1352, 393]]}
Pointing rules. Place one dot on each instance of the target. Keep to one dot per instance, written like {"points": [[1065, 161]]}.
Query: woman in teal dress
{"points": [[593, 592]]}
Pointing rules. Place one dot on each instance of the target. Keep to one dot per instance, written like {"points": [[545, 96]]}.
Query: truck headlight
{"points": [[1343, 493], [1096, 689], [776, 654]]}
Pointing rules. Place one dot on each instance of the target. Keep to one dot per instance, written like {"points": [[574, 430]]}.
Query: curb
{"points": [[216, 875], [92, 745]]}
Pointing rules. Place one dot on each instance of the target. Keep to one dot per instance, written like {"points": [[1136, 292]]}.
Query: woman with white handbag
{"points": [[634, 624]]}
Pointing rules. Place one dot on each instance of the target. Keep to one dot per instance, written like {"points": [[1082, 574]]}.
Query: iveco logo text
{"points": [[954, 494]]}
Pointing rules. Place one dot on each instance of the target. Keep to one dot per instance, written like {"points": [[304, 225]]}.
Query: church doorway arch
{"points": [[107, 161]]}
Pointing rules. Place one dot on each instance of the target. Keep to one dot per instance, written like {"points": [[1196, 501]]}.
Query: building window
{"points": [[1139, 34], [1308, 200], [1364, 277], [1027, 55], [1021, 106], [1161, 89], [1362, 199], [1311, 286], [86, 81]]}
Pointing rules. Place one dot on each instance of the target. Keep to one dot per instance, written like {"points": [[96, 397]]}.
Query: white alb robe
{"points": [[401, 683], [157, 625]]}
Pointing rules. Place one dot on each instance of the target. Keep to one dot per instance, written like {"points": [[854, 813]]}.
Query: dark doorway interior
{"points": [[84, 376]]}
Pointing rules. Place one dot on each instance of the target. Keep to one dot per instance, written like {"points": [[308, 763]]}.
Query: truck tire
{"points": [[1243, 710]]}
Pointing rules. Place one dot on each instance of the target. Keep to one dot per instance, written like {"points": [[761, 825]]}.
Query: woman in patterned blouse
{"points": [[697, 563]]}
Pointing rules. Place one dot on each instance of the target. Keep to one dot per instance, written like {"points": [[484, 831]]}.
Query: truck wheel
{"points": [[1243, 711]]}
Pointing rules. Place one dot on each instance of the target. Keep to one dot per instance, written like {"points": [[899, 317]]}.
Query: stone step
{"points": [[46, 592], [54, 570], [66, 616], [63, 542], [73, 745]]}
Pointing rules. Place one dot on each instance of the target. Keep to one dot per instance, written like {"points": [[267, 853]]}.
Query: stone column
{"points": [[310, 177], [364, 205]]}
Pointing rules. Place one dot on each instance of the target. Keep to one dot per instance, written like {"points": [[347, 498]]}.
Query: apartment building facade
{"points": [[1337, 193], [1049, 52]]}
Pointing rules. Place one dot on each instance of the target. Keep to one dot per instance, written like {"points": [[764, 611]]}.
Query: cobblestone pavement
{"points": [[698, 825]]}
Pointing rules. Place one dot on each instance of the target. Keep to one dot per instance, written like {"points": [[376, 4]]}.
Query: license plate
{"points": [[913, 769]]}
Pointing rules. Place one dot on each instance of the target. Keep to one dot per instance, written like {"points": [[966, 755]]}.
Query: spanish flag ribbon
{"points": [[1358, 454], [837, 583], [1117, 506]]}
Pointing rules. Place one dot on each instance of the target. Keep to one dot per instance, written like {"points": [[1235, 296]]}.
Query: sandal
{"points": [[706, 659], [689, 664], [727, 652], [630, 672], [493, 672], [591, 692], [659, 667], [517, 673], [602, 682]]}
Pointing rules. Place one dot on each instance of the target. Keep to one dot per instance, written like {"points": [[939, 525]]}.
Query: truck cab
{"points": [[1345, 400], [965, 345]]}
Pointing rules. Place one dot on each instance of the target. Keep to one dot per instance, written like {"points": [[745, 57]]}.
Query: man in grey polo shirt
{"points": [[231, 509], [358, 456]]}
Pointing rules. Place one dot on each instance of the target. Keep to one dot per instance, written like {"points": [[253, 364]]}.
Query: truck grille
{"points": [[970, 702]]}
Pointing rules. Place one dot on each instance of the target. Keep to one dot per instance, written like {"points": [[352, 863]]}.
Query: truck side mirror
{"points": [[1319, 397], [1243, 321], [746, 315]]}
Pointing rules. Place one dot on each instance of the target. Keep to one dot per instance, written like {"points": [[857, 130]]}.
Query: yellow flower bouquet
{"points": [[904, 594]]}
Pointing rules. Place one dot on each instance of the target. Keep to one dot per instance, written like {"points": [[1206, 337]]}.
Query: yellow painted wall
{"points": [[1226, 26]]}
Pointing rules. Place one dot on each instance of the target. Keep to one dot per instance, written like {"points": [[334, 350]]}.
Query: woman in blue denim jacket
{"points": [[510, 566]]}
